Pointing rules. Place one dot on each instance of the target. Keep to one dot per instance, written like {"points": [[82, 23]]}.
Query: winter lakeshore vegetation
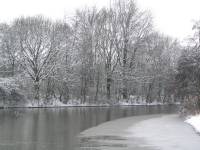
{"points": [[101, 57]]}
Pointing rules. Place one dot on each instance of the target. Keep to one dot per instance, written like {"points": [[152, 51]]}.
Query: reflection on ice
{"points": [[95, 142]]}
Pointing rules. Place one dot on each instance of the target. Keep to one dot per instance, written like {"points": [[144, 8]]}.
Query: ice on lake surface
{"points": [[112, 143], [113, 136], [150, 132]]}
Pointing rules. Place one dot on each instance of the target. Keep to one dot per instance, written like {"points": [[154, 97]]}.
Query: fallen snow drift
{"points": [[194, 122]]}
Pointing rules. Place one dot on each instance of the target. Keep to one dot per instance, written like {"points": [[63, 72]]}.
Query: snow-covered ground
{"points": [[151, 132], [77, 102], [58, 103], [194, 121], [74, 103]]}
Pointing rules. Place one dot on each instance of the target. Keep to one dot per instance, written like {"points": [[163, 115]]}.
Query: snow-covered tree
{"points": [[39, 48]]}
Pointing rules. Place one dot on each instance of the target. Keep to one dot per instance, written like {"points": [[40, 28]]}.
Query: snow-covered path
{"points": [[153, 132]]}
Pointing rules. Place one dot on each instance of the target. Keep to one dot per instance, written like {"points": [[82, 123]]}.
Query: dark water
{"points": [[56, 129]]}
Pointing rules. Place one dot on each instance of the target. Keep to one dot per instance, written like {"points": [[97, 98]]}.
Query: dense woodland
{"points": [[99, 56]]}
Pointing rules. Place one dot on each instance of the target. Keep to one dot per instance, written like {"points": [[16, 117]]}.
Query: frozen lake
{"points": [[147, 132], [57, 129]]}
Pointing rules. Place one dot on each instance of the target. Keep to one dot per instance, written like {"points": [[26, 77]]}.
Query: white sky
{"points": [[172, 17]]}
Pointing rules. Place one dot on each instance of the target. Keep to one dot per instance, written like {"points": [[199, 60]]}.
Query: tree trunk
{"points": [[83, 90], [97, 88], [48, 90], [159, 91], [37, 90], [108, 87], [149, 98], [125, 90], [13, 68], [60, 95], [66, 93]]}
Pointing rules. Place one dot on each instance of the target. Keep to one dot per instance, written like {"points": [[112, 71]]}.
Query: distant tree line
{"points": [[188, 73], [98, 56]]}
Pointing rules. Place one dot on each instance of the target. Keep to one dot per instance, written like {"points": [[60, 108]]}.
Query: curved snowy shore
{"points": [[194, 121], [152, 132]]}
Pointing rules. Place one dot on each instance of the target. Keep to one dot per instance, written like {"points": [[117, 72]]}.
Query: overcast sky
{"points": [[172, 17]]}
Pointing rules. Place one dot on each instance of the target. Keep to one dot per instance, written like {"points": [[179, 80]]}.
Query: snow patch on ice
{"points": [[167, 133]]}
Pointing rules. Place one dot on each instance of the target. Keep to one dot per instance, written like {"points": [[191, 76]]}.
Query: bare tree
{"points": [[39, 48], [108, 44], [86, 21], [134, 26]]}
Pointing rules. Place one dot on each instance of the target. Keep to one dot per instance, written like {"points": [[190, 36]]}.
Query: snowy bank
{"points": [[77, 103], [194, 121], [58, 103]]}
